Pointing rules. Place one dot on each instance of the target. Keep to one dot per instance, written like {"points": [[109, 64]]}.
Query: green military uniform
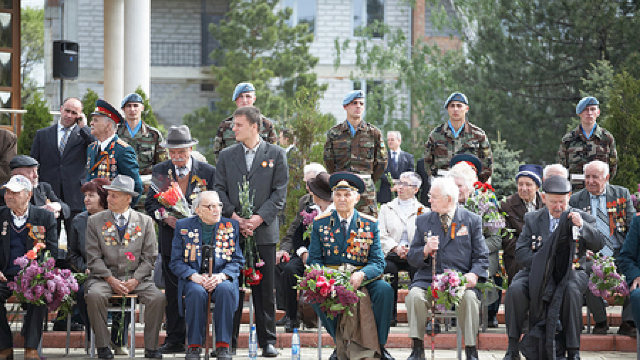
{"points": [[363, 154], [443, 145], [226, 137], [576, 150]]}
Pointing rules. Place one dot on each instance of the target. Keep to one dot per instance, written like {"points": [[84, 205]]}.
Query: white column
{"points": [[137, 44], [113, 51]]}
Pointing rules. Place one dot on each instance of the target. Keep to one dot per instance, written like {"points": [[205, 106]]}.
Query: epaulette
{"points": [[122, 143], [322, 216], [368, 217]]}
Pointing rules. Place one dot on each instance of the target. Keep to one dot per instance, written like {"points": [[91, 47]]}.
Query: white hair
{"points": [[313, 168], [555, 169], [414, 178], [601, 166], [464, 171], [447, 188], [396, 133], [202, 195]]}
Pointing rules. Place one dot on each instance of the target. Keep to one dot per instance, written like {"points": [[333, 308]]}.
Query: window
{"points": [[365, 13], [304, 12]]}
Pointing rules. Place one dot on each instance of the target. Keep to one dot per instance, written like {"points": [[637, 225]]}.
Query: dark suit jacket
{"points": [[41, 194], [466, 252], [629, 258], [202, 170], [268, 178], [423, 194], [76, 251], [37, 217], [68, 172], [405, 163], [582, 201]]}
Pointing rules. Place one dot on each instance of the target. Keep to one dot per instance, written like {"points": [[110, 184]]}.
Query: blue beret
{"points": [[456, 97], [532, 171], [468, 158], [103, 108], [346, 180], [133, 97], [355, 94], [586, 101], [241, 89]]}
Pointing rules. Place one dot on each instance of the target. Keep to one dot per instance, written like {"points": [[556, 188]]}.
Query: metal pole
{"points": [[319, 338]]}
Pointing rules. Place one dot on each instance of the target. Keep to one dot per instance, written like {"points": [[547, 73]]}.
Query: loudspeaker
{"points": [[65, 60]]}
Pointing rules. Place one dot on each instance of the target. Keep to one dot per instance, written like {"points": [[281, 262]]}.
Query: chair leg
{"points": [[588, 321], [320, 339], [132, 330], [638, 343], [92, 352], [66, 352], [459, 341]]}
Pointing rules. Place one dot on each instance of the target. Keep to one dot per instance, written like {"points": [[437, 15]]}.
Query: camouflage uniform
{"points": [[225, 136], [442, 146], [576, 150], [363, 154]]}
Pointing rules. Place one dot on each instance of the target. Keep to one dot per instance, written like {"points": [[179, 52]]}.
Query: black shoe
{"points": [[290, 325], [193, 353], [105, 353], [269, 351], [334, 355], [394, 322], [454, 322], [384, 355], [512, 355], [172, 348], [600, 328], [417, 353], [428, 328], [222, 353], [62, 326], [471, 352], [493, 322], [283, 321], [152, 354], [627, 328]]}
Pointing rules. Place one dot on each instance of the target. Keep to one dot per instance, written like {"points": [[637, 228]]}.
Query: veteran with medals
{"points": [[347, 239], [200, 242], [110, 156]]}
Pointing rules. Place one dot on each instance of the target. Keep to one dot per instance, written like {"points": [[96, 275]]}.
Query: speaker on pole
{"points": [[65, 59]]}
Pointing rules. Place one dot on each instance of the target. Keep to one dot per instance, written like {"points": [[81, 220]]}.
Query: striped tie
{"points": [[63, 140]]}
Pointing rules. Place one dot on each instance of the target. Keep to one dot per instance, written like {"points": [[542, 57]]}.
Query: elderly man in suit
{"points": [[202, 241], [18, 218], [399, 162], [61, 150], [606, 202], [264, 167], [110, 156], [193, 177], [539, 225], [527, 199], [110, 235], [454, 234]]}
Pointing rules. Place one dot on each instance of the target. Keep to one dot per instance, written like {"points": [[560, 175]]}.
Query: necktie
{"points": [[344, 228], [553, 224], [182, 171], [444, 219], [602, 224], [122, 222], [392, 161], [63, 140]]}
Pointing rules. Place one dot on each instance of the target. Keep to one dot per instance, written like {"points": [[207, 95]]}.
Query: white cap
{"points": [[18, 183]]}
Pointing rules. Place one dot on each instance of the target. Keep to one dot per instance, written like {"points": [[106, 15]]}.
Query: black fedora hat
{"points": [[319, 186], [178, 137]]}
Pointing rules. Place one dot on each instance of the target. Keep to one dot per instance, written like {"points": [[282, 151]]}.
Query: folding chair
{"points": [[131, 309]]}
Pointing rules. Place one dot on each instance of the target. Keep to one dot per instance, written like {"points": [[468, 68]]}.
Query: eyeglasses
{"points": [[406, 184], [435, 196], [212, 206]]}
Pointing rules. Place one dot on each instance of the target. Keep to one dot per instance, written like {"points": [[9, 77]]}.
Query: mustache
{"points": [[178, 159]]}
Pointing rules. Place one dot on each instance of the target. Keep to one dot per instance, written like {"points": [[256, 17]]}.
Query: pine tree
{"points": [[147, 115], [89, 103], [505, 168], [36, 118]]}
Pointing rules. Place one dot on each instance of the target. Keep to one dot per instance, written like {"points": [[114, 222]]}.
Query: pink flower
{"points": [[130, 256], [325, 287]]}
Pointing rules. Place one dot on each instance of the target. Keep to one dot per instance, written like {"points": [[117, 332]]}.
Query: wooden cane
{"points": [[206, 331], [433, 304]]}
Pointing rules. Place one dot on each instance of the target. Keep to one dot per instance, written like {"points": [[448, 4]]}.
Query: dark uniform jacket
{"points": [[405, 163]]}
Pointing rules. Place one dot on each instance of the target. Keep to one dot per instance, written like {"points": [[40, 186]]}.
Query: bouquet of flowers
{"points": [[307, 220], [252, 275], [42, 283], [605, 281], [172, 197], [448, 288], [330, 289], [485, 204]]}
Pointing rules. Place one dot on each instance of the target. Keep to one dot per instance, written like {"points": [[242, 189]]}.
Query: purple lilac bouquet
{"points": [[43, 283], [330, 289], [485, 204], [448, 289], [605, 281], [307, 220]]}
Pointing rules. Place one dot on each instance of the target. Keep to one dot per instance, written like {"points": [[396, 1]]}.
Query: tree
{"points": [[203, 124], [32, 47], [147, 115], [505, 168], [36, 118], [89, 103]]}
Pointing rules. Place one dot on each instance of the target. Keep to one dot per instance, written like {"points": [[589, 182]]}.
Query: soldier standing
{"points": [[587, 142], [243, 95], [457, 136], [357, 147]]}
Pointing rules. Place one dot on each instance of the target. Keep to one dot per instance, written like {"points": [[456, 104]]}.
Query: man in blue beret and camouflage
{"points": [[357, 146], [457, 136], [243, 95], [588, 142]]}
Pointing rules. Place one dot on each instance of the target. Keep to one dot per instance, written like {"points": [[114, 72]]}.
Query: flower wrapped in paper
{"points": [[605, 281], [173, 199]]}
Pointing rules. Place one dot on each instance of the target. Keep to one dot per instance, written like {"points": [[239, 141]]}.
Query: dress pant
{"points": [[289, 281], [495, 306], [634, 300], [81, 305], [394, 265], [225, 296], [281, 300], [176, 329], [419, 302], [263, 300], [97, 297], [32, 326]]}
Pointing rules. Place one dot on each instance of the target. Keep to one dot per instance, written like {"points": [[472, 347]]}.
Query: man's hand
{"points": [[635, 284], [131, 284], [2, 277], [252, 224], [82, 120], [279, 256], [589, 254], [171, 221], [576, 219], [197, 278], [356, 279], [402, 251], [431, 245], [472, 280], [117, 286], [54, 207], [304, 257]]}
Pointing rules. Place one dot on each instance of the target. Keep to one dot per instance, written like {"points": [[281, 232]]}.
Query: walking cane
{"points": [[433, 304], [208, 256]]}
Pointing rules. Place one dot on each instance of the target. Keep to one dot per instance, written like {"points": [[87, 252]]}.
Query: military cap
{"points": [[103, 108], [319, 186], [532, 171], [178, 137], [556, 185], [23, 161], [241, 89], [346, 180], [352, 95], [18, 183], [472, 160], [456, 97], [131, 98], [586, 101]]}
